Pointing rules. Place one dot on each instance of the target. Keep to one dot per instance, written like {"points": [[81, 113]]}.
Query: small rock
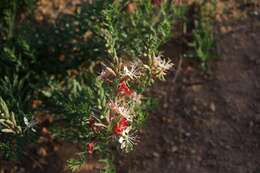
{"points": [[194, 108], [187, 134], [42, 152], [196, 88], [174, 149], [223, 30], [251, 124], [193, 151], [228, 147], [156, 155], [165, 105], [212, 107]]}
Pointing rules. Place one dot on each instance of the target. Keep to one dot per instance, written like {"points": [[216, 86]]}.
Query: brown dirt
{"points": [[206, 123]]}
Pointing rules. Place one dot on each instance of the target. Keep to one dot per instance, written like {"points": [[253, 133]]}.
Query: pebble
{"points": [[251, 124], [196, 88], [165, 105], [194, 108], [212, 107], [156, 155], [174, 149], [187, 134], [228, 147], [223, 29], [42, 152]]}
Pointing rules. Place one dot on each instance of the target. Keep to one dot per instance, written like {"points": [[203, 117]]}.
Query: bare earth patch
{"points": [[207, 123]]}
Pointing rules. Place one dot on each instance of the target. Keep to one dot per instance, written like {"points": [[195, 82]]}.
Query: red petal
{"points": [[123, 89], [117, 129], [90, 147], [123, 123]]}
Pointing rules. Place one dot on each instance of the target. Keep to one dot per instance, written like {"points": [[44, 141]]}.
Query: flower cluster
{"points": [[124, 90], [124, 84], [120, 126], [123, 81], [160, 66], [123, 104]]}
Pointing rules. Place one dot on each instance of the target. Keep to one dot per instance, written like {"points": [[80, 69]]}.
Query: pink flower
{"points": [[120, 126], [106, 73], [90, 147], [124, 90]]}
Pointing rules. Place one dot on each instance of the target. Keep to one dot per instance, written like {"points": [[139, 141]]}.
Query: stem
{"points": [[11, 23]]}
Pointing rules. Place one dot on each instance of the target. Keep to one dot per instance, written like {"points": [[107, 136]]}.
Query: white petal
{"points": [[26, 122], [121, 140]]}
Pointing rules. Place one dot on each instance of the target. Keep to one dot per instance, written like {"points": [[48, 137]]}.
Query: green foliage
{"points": [[16, 58], [74, 105], [203, 34], [109, 168], [102, 37], [14, 132], [74, 164], [7, 120], [119, 28], [8, 12]]}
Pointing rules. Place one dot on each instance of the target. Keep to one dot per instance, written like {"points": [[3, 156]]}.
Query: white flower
{"points": [[113, 106], [132, 72], [161, 66], [29, 125], [162, 63], [126, 140], [125, 112], [122, 110]]}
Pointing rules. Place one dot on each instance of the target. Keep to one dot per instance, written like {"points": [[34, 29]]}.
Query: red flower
{"points": [[90, 147], [120, 126], [123, 89], [123, 122], [117, 129], [156, 2]]}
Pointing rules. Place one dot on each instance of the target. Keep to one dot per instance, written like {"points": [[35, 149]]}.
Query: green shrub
{"points": [[203, 34]]}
